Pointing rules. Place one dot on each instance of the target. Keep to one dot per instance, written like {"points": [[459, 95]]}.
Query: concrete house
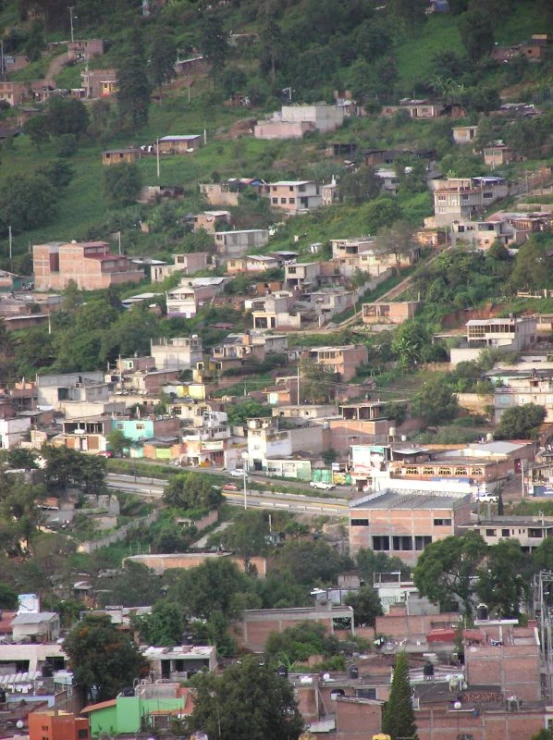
{"points": [[293, 121], [275, 312], [301, 274], [192, 293], [498, 154], [462, 199], [236, 243], [177, 353], [13, 93], [464, 134], [293, 196], [512, 334], [252, 263], [388, 314], [36, 627], [91, 265]]}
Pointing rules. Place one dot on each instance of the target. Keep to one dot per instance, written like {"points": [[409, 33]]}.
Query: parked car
{"points": [[238, 473], [486, 498], [230, 487], [322, 486]]}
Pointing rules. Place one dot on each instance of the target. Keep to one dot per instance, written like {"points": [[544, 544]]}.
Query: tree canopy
{"points": [[521, 422]]}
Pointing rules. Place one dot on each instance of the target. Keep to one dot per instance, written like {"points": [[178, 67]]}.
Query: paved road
{"points": [[296, 503]]}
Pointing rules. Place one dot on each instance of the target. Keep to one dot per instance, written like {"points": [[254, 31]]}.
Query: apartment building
{"points": [[177, 353], [293, 196], [91, 265], [343, 361], [402, 525], [463, 199]]}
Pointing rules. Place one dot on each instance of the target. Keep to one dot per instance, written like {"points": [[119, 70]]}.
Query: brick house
{"points": [[388, 314], [91, 265], [13, 93], [343, 361], [85, 49], [99, 83]]}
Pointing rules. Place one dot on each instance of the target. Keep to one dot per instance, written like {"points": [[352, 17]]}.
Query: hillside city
{"points": [[276, 369]]}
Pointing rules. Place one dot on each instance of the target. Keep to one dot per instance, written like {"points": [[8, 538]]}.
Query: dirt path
{"points": [[55, 67]]}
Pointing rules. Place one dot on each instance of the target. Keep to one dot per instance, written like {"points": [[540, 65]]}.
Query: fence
{"points": [[118, 534]]}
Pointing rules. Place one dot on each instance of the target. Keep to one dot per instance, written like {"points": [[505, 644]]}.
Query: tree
{"points": [[446, 568], [66, 116], [164, 626], [247, 700], [247, 536], [370, 562], [134, 585], [477, 33], [58, 172], [26, 201], [504, 580], [366, 606], [532, 268], [398, 719], [118, 442], [409, 343], [436, 402], [311, 562], [213, 41], [35, 129], [396, 240], [316, 383], [299, 643], [21, 459], [192, 491], [103, 659], [122, 183], [359, 186], [133, 85], [521, 422], [163, 53]]}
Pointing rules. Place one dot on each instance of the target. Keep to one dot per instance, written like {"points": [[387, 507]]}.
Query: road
{"points": [[295, 503]]}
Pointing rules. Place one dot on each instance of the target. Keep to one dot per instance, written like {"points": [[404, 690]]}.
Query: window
{"points": [[460, 471], [359, 523], [422, 541], [82, 734], [402, 543], [381, 543], [291, 200], [442, 522], [444, 471], [411, 471], [140, 426], [365, 693], [505, 533], [120, 426], [291, 270], [491, 532], [428, 471], [283, 201], [535, 532], [274, 201]]}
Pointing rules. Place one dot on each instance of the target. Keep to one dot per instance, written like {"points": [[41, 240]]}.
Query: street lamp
{"points": [[245, 459]]}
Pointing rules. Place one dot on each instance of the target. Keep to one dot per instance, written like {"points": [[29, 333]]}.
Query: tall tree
{"points": [[521, 422], [214, 42], [366, 606], [477, 34], [248, 700], [445, 569], [359, 186], [396, 240], [192, 491], [133, 85], [26, 201], [504, 581], [247, 536], [163, 55], [398, 720], [103, 659], [122, 183]]}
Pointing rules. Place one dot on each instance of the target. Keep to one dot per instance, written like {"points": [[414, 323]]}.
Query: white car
{"points": [[486, 498], [238, 473], [321, 486]]}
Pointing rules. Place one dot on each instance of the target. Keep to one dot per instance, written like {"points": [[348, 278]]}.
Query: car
{"points": [[230, 487], [238, 473], [106, 453], [322, 486], [486, 498]]}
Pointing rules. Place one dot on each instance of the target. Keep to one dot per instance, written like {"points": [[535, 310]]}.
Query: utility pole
{"points": [[10, 242], [157, 157], [71, 9]]}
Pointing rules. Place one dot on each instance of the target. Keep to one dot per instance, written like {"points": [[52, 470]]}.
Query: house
{"points": [[339, 360], [91, 265], [13, 431], [55, 724], [530, 531], [83, 50], [231, 244], [463, 199], [43, 627], [266, 441], [179, 144], [211, 221], [155, 703], [257, 624], [14, 93], [498, 154], [191, 294], [402, 525], [194, 66], [384, 315], [177, 353], [322, 305], [252, 263], [464, 134], [274, 311], [237, 349], [526, 388], [293, 196], [151, 382], [418, 109], [357, 427], [99, 83], [362, 253], [53, 390], [118, 156], [483, 234], [227, 192], [299, 275], [511, 334], [389, 179], [86, 434], [181, 662], [150, 193], [294, 121], [188, 264]]}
